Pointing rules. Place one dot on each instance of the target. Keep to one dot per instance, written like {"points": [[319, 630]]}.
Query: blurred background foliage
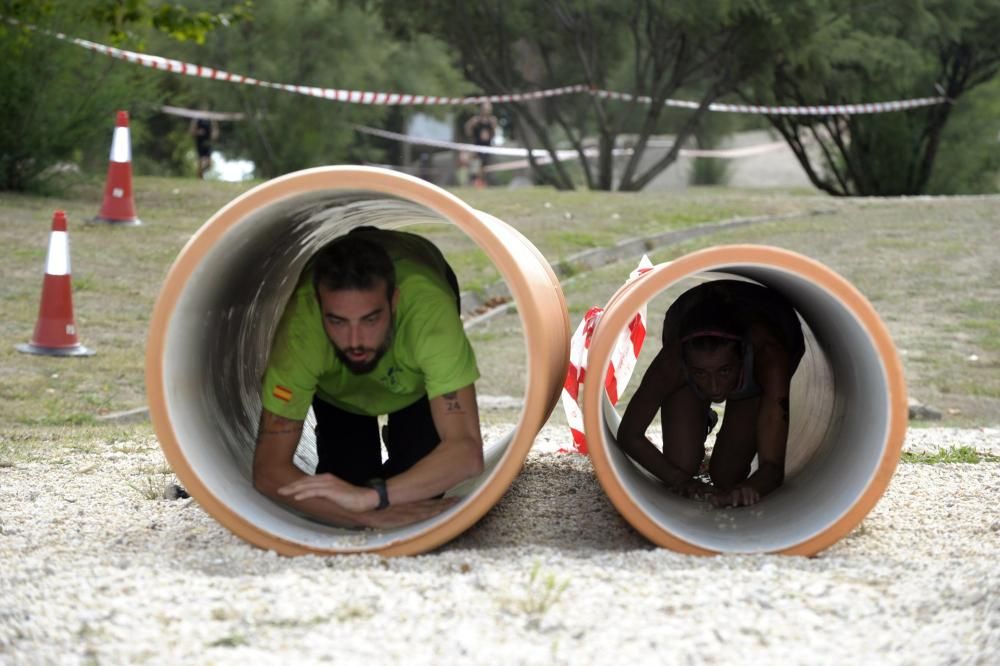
{"points": [[59, 101]]}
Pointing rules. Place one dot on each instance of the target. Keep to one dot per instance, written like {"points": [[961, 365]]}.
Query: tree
{"points": [[653, 48], [969, 159], [58, 100], [893, 49], [321, 43]]}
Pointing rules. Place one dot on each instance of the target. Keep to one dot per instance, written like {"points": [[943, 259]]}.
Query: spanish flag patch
{"points": [[282, 393]]}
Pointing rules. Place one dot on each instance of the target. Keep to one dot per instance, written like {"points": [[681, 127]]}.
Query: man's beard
{"points": [[363, 367]]}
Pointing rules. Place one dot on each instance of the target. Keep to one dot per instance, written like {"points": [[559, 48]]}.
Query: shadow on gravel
{"points": [[557, 502]]}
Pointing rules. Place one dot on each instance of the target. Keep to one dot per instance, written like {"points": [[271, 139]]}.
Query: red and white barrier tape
{"points": [[406, 99], [198, 114], [820, 110], [620, 366], [542, 156]]}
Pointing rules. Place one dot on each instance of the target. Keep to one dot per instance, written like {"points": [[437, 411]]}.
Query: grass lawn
{"points": [[930, 267]]}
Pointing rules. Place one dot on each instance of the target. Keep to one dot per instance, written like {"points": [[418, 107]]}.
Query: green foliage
{"points": [[59, 101], [969, 159], [72, 114], [652, 49], [890, 50], [955, 454], [712, 129], [542, 591], [121, 19], [326, 44]]}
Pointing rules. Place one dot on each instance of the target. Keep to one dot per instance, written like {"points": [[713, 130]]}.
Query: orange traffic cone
{"points": [[55, 331], [118, 206]]}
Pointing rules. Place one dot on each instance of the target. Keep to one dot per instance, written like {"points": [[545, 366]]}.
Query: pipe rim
{"points": [[629, 298], [450, 208]]}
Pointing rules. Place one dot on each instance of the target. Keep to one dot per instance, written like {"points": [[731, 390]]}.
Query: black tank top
{"points": [[482, 133]]}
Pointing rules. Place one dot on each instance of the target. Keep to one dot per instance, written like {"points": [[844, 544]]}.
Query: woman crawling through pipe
{"points": [[723, 341]]}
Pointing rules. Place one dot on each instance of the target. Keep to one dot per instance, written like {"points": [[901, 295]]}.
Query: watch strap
{"points": [[383, 494]]}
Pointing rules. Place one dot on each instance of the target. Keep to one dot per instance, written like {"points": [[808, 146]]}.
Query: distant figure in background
{"points": [[463, 163], [482, 128], [425, 167], [204, 131]]}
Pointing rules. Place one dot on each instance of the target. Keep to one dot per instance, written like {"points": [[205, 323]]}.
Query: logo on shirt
{"points": [[282, 393], [391, 377]]}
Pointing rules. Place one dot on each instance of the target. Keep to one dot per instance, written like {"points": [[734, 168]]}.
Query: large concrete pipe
{"points": [[216, 314], [848, 414]]}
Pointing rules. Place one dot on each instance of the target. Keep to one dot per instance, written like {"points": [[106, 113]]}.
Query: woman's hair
{"points": [[710, 325], [354, 262]]}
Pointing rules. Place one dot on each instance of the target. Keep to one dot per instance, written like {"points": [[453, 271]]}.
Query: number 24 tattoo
{"points": [[452, 402]]}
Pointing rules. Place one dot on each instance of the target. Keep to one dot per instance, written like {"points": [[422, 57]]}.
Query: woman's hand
{"points": [[695, 489], [738, 496]]}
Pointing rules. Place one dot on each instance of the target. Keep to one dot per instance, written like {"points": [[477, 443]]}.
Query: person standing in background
{"points": [[482, 128], [205, 132]]}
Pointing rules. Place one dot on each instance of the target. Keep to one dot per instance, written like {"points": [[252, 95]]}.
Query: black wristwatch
{"points": [[383, 494]]}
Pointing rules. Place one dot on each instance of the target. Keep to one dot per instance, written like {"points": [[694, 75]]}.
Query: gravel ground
{"points": [[93, 571]]}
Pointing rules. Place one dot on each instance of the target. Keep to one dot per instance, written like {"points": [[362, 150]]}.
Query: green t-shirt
{"points": [[430, 353]]}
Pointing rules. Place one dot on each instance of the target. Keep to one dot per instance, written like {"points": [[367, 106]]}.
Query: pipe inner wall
{"points": [[217, 313], [848, 415]]}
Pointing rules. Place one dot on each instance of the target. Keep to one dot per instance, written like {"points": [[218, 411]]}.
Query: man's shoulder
{"points": [[424, 294], [301, 317]]}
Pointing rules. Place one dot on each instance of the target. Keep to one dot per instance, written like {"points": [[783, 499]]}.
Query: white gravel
{"points": [[92, 571]]}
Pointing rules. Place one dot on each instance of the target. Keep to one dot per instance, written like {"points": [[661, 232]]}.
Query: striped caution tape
{"points": [[198, 114], [542, 155], [406, 99], [333, 94], [624, 355], [820, 110]]}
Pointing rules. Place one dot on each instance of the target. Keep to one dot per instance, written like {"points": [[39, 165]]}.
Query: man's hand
{"points": [[356, 499], [738, 496], [401, 515]]}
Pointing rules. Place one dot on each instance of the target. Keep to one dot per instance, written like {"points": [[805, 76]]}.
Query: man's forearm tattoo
{"points": [[452, 404], [278, 425], [279, 431], [784, 408]]}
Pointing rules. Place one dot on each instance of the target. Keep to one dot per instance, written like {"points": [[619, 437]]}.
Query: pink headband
{"points": [[711, 333]]}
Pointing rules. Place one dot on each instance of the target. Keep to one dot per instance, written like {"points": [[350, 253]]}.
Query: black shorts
{"points": [[349, 447]]}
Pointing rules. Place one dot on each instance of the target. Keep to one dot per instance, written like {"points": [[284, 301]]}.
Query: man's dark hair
{"points": [[354, 261], [710, 325]]}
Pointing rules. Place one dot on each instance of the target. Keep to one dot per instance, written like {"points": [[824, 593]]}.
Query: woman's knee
{"points": [[726, 473], [686, 458]]}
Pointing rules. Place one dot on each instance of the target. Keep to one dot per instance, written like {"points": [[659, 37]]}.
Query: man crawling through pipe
{"points": [[373, 328], [723, 341]]}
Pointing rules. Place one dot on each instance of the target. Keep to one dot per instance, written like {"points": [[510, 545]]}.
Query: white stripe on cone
{"points": [[620, 367], [121, 149], [57, 262]]}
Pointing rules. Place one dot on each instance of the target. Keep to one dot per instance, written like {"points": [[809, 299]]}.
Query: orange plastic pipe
{"points": [[848, 414], [216, 313]]}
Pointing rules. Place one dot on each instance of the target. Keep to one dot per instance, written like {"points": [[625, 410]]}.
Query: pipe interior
{"points": [[219, 336], [838, 430]]}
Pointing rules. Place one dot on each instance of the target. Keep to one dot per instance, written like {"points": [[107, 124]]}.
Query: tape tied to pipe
{"points": [[620, 365]]}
